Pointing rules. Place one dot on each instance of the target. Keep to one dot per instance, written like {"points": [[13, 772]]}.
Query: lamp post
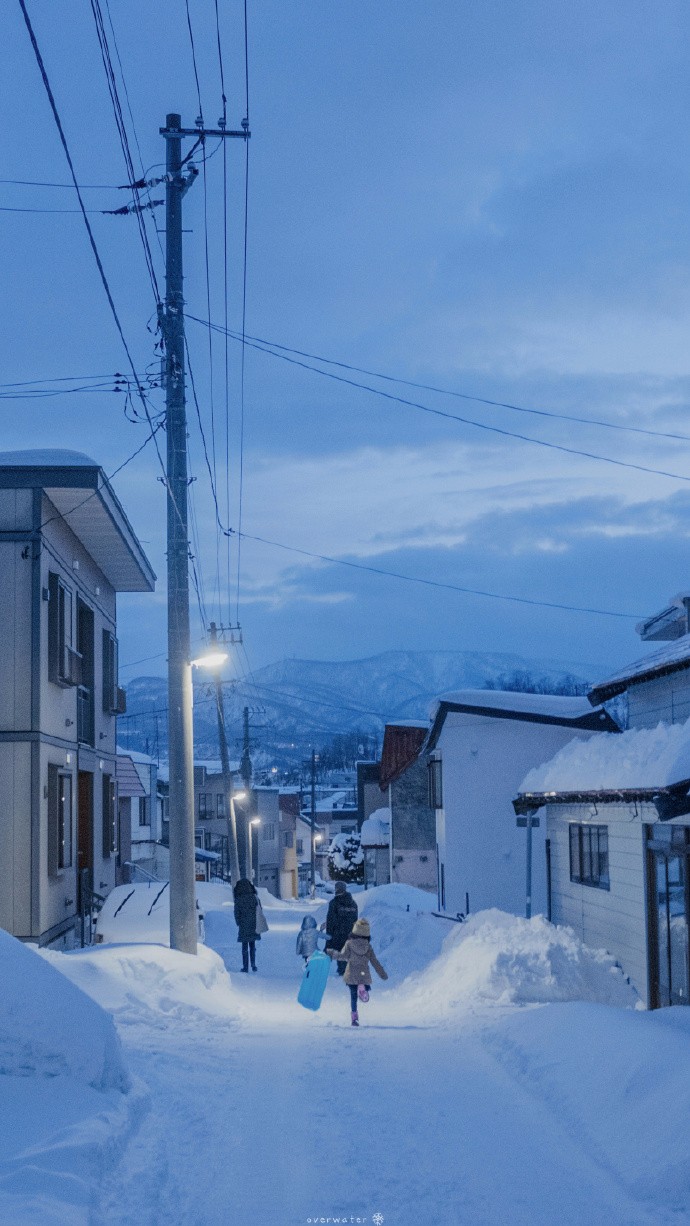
{"points": [[183, 920], [316, 839], [254, 863]]}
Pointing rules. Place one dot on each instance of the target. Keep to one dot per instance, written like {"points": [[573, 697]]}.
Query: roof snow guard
{"points": [[670, 659], [82, 494], [566, 712]]}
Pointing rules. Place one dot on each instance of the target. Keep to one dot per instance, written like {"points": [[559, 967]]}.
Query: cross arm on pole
{"points": [[177, 132]]}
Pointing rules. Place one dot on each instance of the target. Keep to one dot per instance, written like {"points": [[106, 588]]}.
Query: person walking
{"points": [[342, 913], [360, 955], [246, 905], [307, 938]]}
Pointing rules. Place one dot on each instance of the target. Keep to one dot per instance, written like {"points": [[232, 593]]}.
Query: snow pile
{"points": [[559, 705], [404, 933], [640, 758], [376, 829], [617, 1081], [50, 1029], [496, 958], [137, 983]]}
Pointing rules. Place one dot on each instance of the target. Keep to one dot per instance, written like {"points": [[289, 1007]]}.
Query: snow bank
{"points": [[640, 758], [137, 982], [48, 1028], [620, 1084], [404, 933], [495, 958], [376, 829]]}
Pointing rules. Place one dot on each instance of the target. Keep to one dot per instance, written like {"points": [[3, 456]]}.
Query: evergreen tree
{"points": [[346, 858]]}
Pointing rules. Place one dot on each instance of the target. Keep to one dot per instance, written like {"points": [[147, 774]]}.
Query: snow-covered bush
{"points": [[346, 858]]}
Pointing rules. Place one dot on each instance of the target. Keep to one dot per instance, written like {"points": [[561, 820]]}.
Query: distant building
{"points": [[404, 781], [375, 837], [66, 550]]}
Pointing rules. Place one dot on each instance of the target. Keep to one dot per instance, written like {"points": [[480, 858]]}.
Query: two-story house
{"points": [[66, 550], [618, 819]]}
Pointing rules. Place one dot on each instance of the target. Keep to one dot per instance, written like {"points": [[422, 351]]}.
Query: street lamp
{"points": [[183, 921], [254, 821]]}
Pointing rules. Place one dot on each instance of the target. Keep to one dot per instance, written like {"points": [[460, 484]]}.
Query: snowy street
{"points": [[252, 1110]]}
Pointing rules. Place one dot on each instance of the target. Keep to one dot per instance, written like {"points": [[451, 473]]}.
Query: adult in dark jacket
{"points": [[245, 918], [342, 914]]}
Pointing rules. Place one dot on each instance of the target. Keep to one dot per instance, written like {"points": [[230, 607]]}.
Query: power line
{"points": [[244, 314], [467, 421], [437, 583], [92, 241]]}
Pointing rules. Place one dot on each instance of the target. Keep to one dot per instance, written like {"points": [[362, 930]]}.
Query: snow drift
{"points": [[137, 982], [48, 1028], [499, 959]]}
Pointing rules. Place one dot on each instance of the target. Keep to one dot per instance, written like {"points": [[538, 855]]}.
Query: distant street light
{"points": [[254, 821]]}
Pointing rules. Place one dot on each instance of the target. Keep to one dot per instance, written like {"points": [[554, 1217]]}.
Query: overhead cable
{"points": [[467, 421], [437, 583]]}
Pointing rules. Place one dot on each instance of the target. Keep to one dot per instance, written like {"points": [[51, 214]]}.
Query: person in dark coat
{"points": [[245, 918], [342, 914]]}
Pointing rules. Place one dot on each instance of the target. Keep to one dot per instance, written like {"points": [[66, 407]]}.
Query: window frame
{"points": [[61, 605], [109, 670], [588, 847], [60, 820], [435, 770]]}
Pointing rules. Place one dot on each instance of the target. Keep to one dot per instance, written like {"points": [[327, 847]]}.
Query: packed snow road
{"points": [[261, 1113]]}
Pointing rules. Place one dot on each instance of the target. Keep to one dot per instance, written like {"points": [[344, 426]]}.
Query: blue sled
{"points": [[314, 981]]}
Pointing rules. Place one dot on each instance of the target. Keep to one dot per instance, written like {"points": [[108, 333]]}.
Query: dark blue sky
{"points": [[492, 198]]}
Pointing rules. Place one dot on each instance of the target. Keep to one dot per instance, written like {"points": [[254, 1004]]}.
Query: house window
{"points": [[287, 838], [269, 831], [300, 847], [220, 805], [205, 805], [110, 695], [59, 819], [589, 855], [435, 784], [144, 814], [109, 816], [63, 662]]}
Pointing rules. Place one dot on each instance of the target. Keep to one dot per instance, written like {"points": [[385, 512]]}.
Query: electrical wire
{"points": [[467, 421], [244, 317], [445, 391], [437, 583], [196, 71], [92, 241]]}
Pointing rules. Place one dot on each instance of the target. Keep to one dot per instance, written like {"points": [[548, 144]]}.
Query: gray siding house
{"points": [[66, 549], [618, 820]]}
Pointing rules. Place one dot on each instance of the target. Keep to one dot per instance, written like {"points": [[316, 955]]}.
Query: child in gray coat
{"points": [[307, 937]]}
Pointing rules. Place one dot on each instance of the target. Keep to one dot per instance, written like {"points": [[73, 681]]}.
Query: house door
{"points": [[668, 865]]}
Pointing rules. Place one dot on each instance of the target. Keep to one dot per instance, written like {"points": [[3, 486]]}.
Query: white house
{"points": [[482, 742], [618, 819], [66, 550]]}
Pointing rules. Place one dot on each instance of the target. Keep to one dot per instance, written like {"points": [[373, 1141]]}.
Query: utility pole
{"points": [[313, 822], [227, 775], [244, 832], [183, 922]]}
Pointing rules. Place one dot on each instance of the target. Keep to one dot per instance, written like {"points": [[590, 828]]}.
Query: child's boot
{"points": [[355, 1019]]}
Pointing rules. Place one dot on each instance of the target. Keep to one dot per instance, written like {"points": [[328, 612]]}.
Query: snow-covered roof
{"points": [[507, 700], [46, 457], [667, 659], [508, 704], [82, 495], [142, 758], [376, 829], [642, 759]]}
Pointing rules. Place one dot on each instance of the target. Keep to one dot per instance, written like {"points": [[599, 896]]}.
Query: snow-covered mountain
{"points": [[295, 704]]}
